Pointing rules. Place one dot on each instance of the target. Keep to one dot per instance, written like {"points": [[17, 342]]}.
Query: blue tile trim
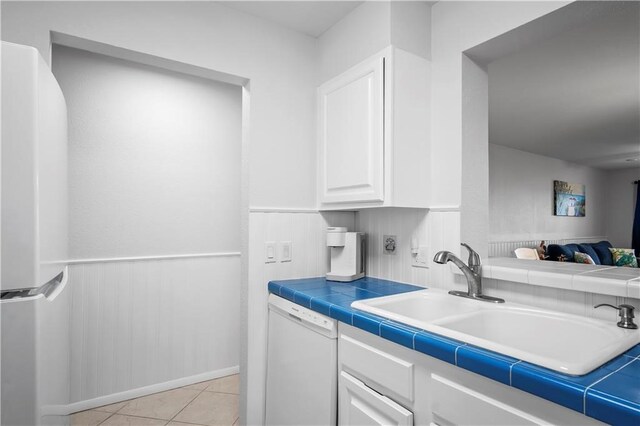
{"points": [[367, 322], [621, 388], [274, 288], [599, 406], [560, 388], [287, 292], [634, 352], [438, 347], [610, 393], [341, 313], [398, 333], [548, 387], [489, 364]]}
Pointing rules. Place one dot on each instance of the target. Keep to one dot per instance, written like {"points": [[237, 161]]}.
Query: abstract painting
{"points": [[569, 199]]}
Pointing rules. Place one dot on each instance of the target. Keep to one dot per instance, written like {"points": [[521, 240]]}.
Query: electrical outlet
{"points": [[389, 244], [270, 255], [421, 259]]}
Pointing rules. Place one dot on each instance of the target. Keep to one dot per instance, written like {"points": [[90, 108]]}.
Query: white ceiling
{"points": [[575, 96], [309, 17]]}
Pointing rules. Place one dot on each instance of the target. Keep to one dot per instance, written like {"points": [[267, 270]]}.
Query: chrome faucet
{"points": [[472, 273]]}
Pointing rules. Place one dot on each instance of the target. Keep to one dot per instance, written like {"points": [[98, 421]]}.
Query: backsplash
{"points": [[434, 230]]}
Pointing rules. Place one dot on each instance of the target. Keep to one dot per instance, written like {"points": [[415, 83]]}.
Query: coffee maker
{"points": [[348, 254]]}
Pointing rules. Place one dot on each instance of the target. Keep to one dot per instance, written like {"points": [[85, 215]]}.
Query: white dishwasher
{"points": [[302, 363]]}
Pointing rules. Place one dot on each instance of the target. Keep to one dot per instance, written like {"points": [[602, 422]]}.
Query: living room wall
{"points": [[521, 197], [620, 205]]}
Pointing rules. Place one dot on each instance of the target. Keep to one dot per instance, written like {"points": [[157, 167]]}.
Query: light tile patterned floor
{"points": [[208, 403]]}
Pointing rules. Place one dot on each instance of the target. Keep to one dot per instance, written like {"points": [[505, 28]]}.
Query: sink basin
{"points": [[562, 342], [417, 308], [565, 343]]}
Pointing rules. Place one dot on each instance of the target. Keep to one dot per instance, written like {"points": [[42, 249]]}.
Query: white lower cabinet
{"points": [[449, 397], [381, 382], [361, 405]]}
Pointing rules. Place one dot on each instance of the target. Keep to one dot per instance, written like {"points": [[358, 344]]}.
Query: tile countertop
{"points": [[610, 393], [602, 279]]}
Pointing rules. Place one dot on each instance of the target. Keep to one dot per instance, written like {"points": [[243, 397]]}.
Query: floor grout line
{"points": [[188, 403], [110, 415], [129, 415], [118, 411]]}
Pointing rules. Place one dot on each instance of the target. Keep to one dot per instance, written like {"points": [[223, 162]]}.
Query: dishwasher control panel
{"points": [[302, 314]]}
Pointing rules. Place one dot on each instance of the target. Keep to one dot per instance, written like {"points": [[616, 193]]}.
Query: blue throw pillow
{"points": [[554, 251], [587, 249], [602, 248]]}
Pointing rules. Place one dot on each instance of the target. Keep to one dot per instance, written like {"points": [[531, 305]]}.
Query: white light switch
{"points": [[286, 251], [270, 252], [420, 259]]}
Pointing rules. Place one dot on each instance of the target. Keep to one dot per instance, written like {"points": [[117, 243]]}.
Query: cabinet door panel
{"points": [[361, 405], [377, 366], [352, 135], [455, 404]]}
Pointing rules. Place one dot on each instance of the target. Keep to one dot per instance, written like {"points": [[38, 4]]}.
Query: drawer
{"points": [[360, 405], [450, 397], [374, 366]]}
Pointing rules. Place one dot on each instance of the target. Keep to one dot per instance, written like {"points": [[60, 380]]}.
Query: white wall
{"points": [[620, 205], [154, 159], [521, 197], [360, 34], [280, 63], [371, 27]]}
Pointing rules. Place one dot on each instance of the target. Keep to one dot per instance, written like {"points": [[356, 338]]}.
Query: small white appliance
{"points": [[348, 254], [302, 360]]}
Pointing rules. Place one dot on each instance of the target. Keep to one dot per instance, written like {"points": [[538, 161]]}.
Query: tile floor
{"points": [[208, 403]]}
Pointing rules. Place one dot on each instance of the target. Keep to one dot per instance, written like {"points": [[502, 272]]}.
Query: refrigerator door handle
{"points": [[58, 285], [50, 290]]}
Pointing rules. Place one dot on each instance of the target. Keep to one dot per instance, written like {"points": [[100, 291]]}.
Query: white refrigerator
{"points": [[34, 301]]}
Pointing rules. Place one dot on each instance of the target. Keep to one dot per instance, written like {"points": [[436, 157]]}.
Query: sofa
{"points": [[599, 252]]}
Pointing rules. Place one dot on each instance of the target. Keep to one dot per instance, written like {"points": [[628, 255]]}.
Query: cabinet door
{"points": [[351, 135], [361, 405]]}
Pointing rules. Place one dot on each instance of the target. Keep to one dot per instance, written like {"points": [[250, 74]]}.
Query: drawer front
{"points": [[455, 404], [360, 405], [374, 366]]}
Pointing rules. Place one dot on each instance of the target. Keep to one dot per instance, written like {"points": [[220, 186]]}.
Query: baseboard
{"points": [[138, 392]]}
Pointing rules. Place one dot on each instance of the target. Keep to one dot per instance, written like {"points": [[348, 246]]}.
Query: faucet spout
{"points": [[472, 273]]}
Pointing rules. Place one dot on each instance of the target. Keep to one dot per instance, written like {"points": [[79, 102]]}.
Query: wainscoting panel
{"points": [[140, 323], [506, 248], [405, 224]]}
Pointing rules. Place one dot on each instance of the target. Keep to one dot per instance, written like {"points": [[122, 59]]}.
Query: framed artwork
{"points": [[569, 199]]}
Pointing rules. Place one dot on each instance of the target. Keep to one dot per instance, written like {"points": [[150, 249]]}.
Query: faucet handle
{"points": [[474, 257], [626, 315]]}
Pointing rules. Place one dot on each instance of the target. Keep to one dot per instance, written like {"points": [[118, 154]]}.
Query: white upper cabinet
{"points": [[373, 134], [352, 134]]}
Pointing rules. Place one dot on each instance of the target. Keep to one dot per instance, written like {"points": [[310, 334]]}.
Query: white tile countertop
{"points": [[602, 279]]}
